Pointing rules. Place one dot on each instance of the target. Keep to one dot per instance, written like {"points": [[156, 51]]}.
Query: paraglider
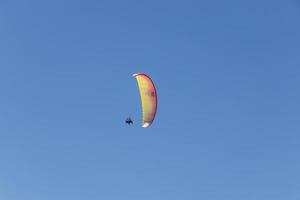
{"points": [[128, 121], [148, 98]]}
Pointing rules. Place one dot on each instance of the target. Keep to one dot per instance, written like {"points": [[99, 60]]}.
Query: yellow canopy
{"points": [[148, 97]]}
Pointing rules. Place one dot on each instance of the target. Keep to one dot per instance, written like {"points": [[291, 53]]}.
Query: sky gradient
{"points": [[227, 76]]}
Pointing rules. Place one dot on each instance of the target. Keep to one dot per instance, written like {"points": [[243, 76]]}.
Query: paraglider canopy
{"points": [[148, 98]]}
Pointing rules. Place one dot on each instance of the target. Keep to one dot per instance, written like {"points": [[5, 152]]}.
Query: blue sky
{"points": [[227, 75]]}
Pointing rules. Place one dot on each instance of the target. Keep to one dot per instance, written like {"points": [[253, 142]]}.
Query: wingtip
{"points": [[136, 74], [146, 125]]}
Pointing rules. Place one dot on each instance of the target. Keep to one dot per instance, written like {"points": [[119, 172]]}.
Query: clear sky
{"points": [[228, 80]]}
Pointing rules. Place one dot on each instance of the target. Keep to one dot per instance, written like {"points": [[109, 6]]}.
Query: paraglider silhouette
{"points": [[128, 121]]}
